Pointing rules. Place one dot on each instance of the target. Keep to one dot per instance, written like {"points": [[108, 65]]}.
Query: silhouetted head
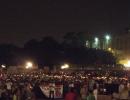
{"points": [[90, 92], [71, 89]]}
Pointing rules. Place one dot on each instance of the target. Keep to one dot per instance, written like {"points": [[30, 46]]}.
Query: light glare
{"points": [[96, 39], [65, 66], [107, 37], [29, 65], [127, 64], [3, 66]]}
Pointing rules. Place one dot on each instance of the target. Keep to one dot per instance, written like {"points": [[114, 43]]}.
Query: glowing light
{"points": [[109, 49], [65, 66], [3, 66], [127, 64], [87, 43], [26, 67], [107, 37], [96, 39], [29, 65]]}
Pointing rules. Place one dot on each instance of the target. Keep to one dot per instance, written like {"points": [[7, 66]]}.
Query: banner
{"points": [[58, 91], [47, 89]]}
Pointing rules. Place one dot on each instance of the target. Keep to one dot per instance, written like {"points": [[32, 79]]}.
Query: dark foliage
{"points": [[48, 52]]}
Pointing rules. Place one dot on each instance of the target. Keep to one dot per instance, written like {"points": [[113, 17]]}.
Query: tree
{"points": [[49, 52], [8, 53], [31, 44], [76, 39]]}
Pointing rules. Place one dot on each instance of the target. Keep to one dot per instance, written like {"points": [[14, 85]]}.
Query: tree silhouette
{"points": [[49, 52]]}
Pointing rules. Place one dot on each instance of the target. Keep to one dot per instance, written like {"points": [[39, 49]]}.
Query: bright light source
{"points": [[62, 67], [109, 49], [127, 64], [87, 43], [96, 39], [3, 66], [107, 37], [29, 65], [26, 67], [65, 66]]}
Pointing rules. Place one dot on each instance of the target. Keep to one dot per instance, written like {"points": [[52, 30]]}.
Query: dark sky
{"points": [[21, 21]]}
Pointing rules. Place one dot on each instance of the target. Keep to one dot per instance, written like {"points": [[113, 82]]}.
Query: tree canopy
{"points": [[49, 52]]}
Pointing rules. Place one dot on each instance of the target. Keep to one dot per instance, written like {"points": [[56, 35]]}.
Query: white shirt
{"points": [[95, 92], [121, 88], [9, 85]]}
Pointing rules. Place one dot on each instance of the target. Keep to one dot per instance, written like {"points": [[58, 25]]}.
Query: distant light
{"points": [[96, 39], [62, 67], [29, 65], [87, 43], [109, 49], [3, 66], [107, 37], [127, 64], [65, 66], [26, 67]]}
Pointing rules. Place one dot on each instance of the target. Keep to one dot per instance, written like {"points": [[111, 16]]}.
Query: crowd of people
{"points": [[83, 85]]}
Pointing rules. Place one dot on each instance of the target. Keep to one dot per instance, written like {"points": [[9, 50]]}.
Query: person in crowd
{"points": [[124, 93], [51, 93], [90, 96], [65, 89], [20, 81], [9, 84], [29, 94], [83, 92], [95, 91], [115, 96], [5, 94], [121, 87], [2, 89], [71, 95], [91, 84], [16, 94], [38, 91], [128, 85]]}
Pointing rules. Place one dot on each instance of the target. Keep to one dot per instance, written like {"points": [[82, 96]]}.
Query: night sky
{"points": [[21, 21]]}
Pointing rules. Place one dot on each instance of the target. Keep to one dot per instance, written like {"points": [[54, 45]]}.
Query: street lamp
{"points": [[127, 64], [107, 41], [3, 66], [29, 65], [65, 66], [96, 40], [107, 37], [87, 43], [109, 49]]}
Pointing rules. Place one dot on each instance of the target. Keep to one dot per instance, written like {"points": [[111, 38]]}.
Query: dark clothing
{"points": [[38, 93], [70, 96]]}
